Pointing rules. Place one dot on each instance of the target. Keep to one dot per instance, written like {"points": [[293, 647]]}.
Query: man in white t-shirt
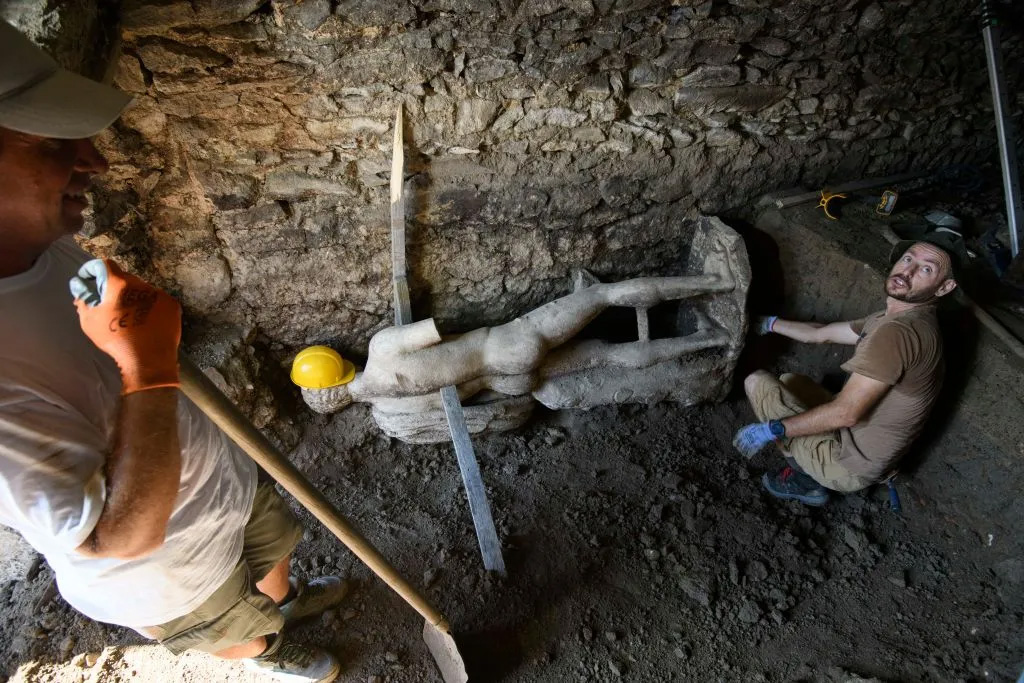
{"points": [[149, 516]]}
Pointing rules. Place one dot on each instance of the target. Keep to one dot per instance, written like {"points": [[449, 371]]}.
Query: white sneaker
{"points": [[292, 662]]}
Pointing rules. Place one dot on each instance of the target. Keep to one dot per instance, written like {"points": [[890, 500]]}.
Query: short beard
{"points": [[909, 298]]}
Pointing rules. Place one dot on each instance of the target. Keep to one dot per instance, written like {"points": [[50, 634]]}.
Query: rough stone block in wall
{"points": [[541, 136]]}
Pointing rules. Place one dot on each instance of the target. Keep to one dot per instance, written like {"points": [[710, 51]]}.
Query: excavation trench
{"points": [[639, 546]]}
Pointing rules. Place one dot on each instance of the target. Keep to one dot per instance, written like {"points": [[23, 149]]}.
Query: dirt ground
{"points": [[639, 547]]}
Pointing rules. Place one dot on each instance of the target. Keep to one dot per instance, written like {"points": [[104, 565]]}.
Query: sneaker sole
{"points": [[815, 501], [331, 675]]}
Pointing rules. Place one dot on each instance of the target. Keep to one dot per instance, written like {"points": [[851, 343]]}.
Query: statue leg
{"points": [[589, 354]]}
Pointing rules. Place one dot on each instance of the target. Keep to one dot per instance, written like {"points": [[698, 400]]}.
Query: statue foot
{"points": [[583, 278]]}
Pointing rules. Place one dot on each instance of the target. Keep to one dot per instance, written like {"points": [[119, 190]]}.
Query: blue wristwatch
{"points": [[777, 428]]}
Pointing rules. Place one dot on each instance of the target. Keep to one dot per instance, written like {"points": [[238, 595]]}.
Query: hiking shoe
{"points": [[286, 660], [314, 597], [788, 484]]}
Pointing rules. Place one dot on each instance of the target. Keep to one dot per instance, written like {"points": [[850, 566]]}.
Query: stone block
{"points": [[309, 14], [776, 47], [723, 137], [474, 115], [715, 53], [871, 18], [146, 118], [540, 8], [563, 117], [619, 190], [336, 129], [128, 74], [375, 12], [217, 104], [649, 75], [140, 16], [808, 105], [712, 76], [573, 200], [648, 103], [512, 114], [168, 56], [292, 184], [486, 69], [595, 86], [745, 98], [204, 281]]}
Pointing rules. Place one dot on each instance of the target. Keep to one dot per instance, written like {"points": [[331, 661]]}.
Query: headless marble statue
{"points": [[534, 356]]}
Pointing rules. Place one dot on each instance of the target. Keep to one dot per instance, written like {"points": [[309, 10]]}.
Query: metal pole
{"points": [[1004, 127]]}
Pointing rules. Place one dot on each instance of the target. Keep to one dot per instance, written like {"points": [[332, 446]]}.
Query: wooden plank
{"points": [[399, 280], [479, 508]]}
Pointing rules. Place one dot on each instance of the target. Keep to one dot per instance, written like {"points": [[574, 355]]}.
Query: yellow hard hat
{"points": [[321, 367]]}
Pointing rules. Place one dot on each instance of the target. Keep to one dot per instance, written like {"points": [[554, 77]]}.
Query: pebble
{"points": [[49, 621], [696, 590], [430, 576], [611, 636], [390, 657], [587, 634], [898, 581], [857, 541], [349, 614], [756, 571], [554, 436], [91, 658], [749, 612], [615, 668], [67, 645], [374, 679]]}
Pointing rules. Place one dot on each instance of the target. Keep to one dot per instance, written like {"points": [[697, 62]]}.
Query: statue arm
{"points": [[392, 341]]}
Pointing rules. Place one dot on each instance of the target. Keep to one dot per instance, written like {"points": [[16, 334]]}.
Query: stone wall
{"points": [[80, 35], [251, 175]]}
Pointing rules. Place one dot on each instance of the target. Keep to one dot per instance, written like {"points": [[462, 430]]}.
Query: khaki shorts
{"points": [[238, 612], [817, 455]]}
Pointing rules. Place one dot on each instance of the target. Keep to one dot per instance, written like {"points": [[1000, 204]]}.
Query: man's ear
{"points": [[947, 286]]}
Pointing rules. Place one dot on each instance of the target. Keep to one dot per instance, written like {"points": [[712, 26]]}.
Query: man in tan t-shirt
{"points": [[852, 440]]}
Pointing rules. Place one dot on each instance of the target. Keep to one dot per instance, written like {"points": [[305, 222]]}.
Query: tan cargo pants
{"points": [[818, 454], [238, 612]]}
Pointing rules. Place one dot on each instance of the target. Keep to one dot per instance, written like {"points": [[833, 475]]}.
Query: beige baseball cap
{"points": [[40, 98]]}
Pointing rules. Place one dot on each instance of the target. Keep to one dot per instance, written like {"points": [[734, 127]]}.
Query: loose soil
{"points": [[639, 547]]}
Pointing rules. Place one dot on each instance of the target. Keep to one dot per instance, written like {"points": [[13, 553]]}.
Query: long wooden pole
{"points": [[205, 394]]}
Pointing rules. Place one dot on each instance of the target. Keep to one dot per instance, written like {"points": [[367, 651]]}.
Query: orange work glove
{"points": [[133, 322]]}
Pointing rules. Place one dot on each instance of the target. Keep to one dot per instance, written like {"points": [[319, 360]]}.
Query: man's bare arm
{"points": [[853, 403], [142, 477], [816, 333], [139, 327]]}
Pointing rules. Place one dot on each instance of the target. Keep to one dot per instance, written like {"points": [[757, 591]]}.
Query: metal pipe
{"points": [[1004, 126]]}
